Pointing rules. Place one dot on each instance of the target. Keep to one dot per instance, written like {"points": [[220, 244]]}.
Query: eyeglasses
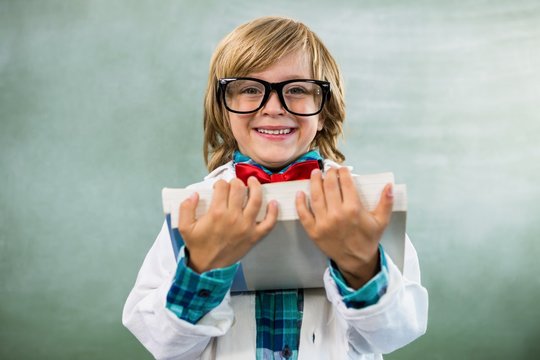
{"points": [[302, 97]]}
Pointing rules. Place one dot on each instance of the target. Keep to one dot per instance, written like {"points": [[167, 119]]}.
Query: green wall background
{"points": [[101, 107]]}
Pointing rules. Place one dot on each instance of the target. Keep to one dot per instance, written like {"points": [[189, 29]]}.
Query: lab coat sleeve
{"points": [[398, 318], [156, 327]]}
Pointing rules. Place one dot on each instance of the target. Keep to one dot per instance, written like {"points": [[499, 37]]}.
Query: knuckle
{"points": [[316, 197], [256, 200], [324, 227], [234, 219], [217, 213], [328, 219], [335, 217], [243, 228], [352, 210]]}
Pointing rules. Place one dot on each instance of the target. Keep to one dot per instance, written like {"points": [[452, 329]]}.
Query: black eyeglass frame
{"points": [[268, 88]]}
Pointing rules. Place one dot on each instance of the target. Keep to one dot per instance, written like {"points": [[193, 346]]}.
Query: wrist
{"points": [[358, 273], [195, 263], [202, 264]]}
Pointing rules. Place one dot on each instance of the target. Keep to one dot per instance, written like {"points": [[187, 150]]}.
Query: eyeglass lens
{"points": [[300, 97]]}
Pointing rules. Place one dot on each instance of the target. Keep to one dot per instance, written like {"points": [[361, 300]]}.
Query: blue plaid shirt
{"points": [[279, 312]]}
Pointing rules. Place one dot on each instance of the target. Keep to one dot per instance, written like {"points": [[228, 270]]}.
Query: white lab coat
{"points": [[329, 330]]}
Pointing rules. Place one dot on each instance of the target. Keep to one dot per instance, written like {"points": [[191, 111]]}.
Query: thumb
{"points": [[383, 211], [186, 217]]}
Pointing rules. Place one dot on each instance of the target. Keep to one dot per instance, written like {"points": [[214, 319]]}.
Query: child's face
{"points": [[251, 131]]}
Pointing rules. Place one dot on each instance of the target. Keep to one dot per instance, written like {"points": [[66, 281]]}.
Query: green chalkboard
{"points": [[101, 107]]}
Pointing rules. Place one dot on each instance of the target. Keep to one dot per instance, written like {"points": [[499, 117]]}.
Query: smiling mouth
{"points": [[275, 131]]}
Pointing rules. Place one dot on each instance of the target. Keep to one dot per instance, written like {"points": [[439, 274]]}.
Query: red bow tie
{"points": [[298, 171]]}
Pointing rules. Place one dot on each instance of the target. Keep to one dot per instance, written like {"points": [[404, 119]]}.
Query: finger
{"points": [[304, 214], [383, 211], [186, 217], [270, 219], [332, 191], [237, 194], [220, 197], [348, 187], [318, 202], [254, 200]]}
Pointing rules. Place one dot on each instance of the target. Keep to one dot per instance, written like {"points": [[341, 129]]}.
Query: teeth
{"points": [[274, 132]]}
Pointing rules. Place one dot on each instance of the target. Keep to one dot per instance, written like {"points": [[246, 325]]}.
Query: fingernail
{"points": [[193, 196], [390, 192], [315, 172]]}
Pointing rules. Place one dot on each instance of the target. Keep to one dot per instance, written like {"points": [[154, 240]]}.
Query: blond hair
{"points": [[254, 47]]}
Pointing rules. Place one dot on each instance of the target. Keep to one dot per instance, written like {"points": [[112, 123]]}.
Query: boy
{"points": [[273, 111]]}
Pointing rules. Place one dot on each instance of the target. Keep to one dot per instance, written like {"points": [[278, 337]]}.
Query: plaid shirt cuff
{"points": [[193, 295], [368, 294]]}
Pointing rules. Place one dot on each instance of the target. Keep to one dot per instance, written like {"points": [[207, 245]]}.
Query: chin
{"points": [[273, 163]]}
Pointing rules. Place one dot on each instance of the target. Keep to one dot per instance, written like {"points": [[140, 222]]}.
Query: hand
{"points": [[228, 230], [341, 227]]}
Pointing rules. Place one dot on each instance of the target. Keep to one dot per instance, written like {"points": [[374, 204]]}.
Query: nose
{"points": [[273, 105]]}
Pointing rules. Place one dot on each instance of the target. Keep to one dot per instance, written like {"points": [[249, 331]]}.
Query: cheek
{"points": [[238, 124], [320, 124]]}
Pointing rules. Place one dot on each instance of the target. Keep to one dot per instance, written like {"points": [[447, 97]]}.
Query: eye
{"points": [[297, 90], [250, 90]]}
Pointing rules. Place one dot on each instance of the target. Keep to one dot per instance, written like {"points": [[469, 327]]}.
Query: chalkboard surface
{"points": [[101, 107]]}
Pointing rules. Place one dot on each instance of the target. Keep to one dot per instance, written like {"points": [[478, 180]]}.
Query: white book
{"points": [[287, 258]]}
